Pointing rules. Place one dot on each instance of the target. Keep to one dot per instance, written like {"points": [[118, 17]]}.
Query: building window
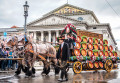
{"points": [[94, 27], [80, 18]]}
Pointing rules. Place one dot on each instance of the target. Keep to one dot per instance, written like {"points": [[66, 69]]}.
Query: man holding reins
{"points": [[62, 57]]}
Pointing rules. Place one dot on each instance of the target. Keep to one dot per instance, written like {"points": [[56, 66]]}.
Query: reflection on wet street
{"points": [[84, 77], [91, 77]]}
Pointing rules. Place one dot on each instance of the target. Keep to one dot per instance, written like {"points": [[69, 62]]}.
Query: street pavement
{"points": [[84, 77]]}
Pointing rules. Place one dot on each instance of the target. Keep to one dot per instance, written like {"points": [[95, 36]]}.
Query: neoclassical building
{"points": [[50, 25]]}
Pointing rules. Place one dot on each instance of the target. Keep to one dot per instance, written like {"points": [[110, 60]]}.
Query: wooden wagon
{"points": [[92, 53]]}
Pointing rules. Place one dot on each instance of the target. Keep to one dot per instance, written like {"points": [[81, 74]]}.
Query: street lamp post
{"points": [[26, 6]]}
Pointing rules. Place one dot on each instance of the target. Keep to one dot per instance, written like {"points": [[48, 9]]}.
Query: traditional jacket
{"points": [[63, 52]]}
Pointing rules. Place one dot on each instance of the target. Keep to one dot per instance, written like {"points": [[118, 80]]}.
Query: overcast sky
{"points": [[11, 11]]}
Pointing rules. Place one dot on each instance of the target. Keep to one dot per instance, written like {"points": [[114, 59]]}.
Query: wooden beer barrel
{"points": [[101, 65], [90, 46], [76, 52], [106, 47], [101, 53], [90, 40], [78, 39], [84, 39], [101, 41], [78, 45], [83, 52], [110, 48], [84, 45], [105, 42], [96, 65], [110, 54], [90, 53], [95, 40], [106, 54], [95, 52], [101, 47], [95, 46], [115, 54], [90, 65]]}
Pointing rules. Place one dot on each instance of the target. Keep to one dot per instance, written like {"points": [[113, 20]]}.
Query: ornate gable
{"points": [[68, 9]]}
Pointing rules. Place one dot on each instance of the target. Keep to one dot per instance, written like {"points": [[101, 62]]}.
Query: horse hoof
{"points": [[33, 75], [43, 74], [56, 74], [26, 76]]}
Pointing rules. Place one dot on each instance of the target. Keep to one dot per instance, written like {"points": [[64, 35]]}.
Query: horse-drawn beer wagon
{"points": [[90, 51]]}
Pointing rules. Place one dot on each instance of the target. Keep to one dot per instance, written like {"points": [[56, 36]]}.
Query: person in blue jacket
{"points": [[10, 55]]}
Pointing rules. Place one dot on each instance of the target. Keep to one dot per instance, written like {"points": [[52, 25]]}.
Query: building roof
{"points": [[14, 26]]}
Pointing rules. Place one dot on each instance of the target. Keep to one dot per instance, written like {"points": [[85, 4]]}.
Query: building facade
{"points": [[50, 25]]}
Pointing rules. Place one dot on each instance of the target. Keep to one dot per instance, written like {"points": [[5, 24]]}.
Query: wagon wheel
{"points": [[77, 67], [108, 65]]}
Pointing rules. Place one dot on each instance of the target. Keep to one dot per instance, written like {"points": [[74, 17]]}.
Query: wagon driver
{"points": [[62, 57]]}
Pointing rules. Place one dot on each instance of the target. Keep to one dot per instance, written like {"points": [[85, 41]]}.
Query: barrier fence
{"points": [[11, 58]]}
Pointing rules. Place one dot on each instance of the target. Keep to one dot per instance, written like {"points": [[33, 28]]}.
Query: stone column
{"points": [[34, 36], [57, 33], [42, 35], [49, 36]]}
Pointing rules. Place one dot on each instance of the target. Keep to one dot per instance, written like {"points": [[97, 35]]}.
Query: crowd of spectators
{"points": [[6, 52]]}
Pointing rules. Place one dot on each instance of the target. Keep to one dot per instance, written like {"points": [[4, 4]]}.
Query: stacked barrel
{"points": [[94, 51]]}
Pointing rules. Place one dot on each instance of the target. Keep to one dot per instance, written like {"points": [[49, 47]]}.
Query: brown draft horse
{"points": [[31, 54]]}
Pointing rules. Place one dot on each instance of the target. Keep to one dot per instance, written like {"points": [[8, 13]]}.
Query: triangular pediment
{"points": [[68, 9], [52, 20]]}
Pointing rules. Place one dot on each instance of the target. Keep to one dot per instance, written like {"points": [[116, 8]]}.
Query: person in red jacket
{"points": [[62, 57]]}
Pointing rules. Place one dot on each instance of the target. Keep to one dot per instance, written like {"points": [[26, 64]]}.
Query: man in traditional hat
{"points": [[62, 57]]}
